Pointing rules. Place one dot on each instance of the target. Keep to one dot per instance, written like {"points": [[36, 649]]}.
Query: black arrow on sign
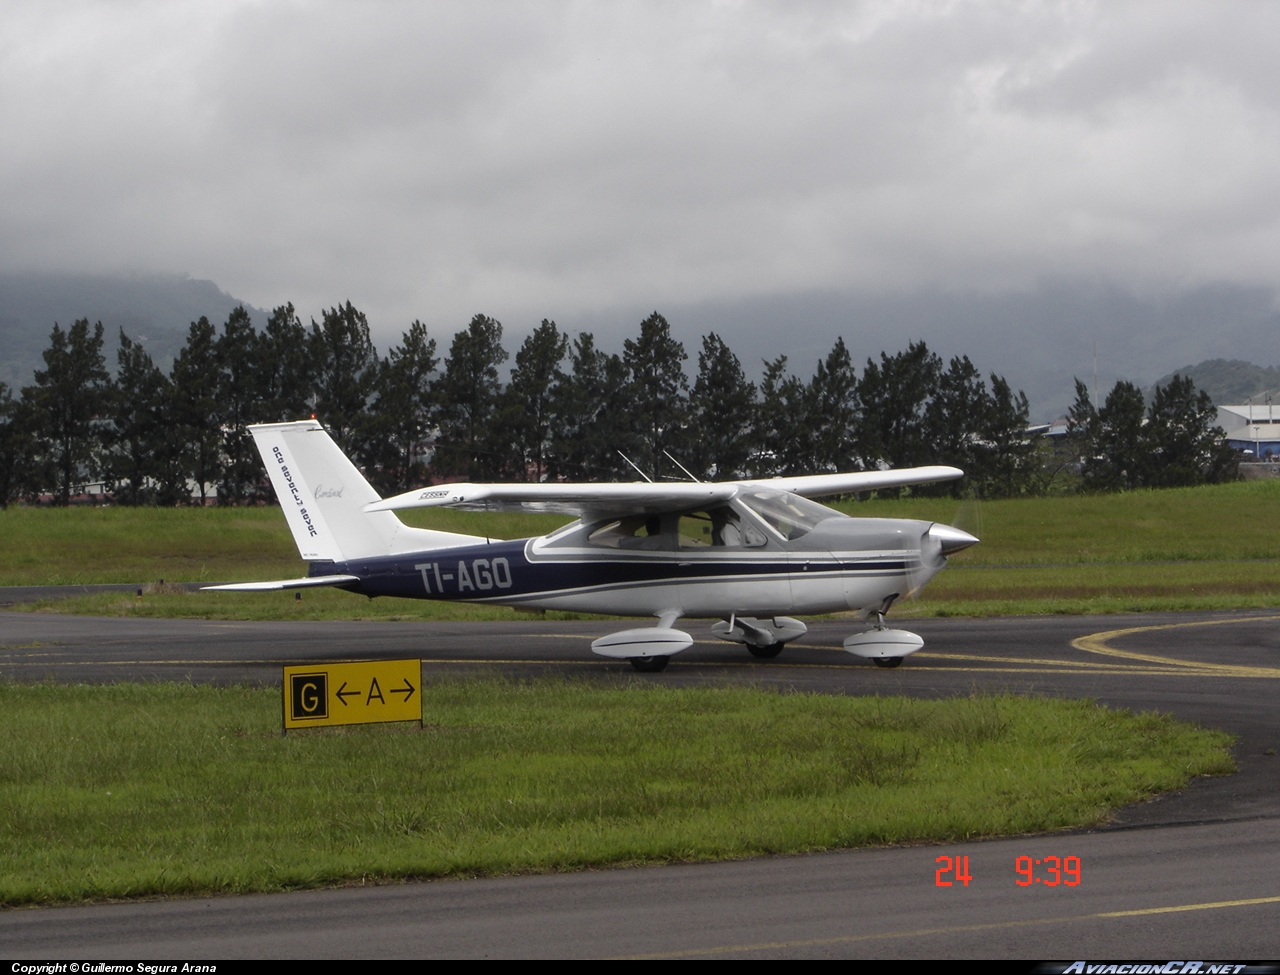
{"points": [[407, 690], [342, 694]]}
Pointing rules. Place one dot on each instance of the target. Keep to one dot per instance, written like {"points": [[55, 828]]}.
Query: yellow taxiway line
{"points": [[1099, 643]]}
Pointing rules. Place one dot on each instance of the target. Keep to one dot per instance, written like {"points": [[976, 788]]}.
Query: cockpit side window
{"points": [[714, 528], [790, 515], [643, 532]]}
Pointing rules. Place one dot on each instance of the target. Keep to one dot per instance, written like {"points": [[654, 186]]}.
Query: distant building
{"points": [[1055, 430], [1253, 430]]}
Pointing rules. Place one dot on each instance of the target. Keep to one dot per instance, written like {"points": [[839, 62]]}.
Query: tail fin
{"points": [[322, 493]]}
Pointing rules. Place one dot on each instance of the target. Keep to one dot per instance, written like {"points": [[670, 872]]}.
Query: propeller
{"points": [[968, 517], [926, 556], [923, 556]]}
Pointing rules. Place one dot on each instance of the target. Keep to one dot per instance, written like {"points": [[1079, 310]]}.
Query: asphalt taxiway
{"points": [[1194, 874]]}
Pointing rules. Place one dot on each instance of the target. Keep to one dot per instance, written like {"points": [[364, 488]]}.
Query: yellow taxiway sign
{"points": [[358, 693]]}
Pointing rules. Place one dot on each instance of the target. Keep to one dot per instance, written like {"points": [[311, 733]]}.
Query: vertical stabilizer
{"points": [[322, 493]]}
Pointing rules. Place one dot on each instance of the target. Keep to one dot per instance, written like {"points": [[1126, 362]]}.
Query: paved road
{"points": [[1195, 874], [865, 903]]}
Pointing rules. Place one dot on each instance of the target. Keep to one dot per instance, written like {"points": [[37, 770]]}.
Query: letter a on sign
{"points": [[356, 693]]}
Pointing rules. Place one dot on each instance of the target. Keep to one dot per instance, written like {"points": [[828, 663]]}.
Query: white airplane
{"points": [[747, 552]]}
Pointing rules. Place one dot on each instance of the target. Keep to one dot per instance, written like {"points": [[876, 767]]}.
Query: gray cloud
{"points": [[566, 159]]}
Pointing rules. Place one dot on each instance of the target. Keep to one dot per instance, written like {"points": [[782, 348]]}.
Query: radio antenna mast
{"points": [[632, 463], [681, 466], [1095, 375]]}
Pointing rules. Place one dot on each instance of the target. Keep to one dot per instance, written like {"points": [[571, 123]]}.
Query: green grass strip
{"points": [[1179, 549], [55, 546], [959, 590], [77, 546], [315, 604], [966, 590], [130, 790], [1216, 522]]}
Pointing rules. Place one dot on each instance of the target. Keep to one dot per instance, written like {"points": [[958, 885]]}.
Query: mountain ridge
{"points": [[154, 309], [1227, 381]]}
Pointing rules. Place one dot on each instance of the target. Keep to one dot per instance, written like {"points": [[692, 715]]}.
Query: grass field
{"points": [[130, 790], [1098, 588], [75, 546], [1222, 522], [1196, 548]]}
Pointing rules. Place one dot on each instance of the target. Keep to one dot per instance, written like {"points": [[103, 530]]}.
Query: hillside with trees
{"points": [[151, 308], [1227, 380]]}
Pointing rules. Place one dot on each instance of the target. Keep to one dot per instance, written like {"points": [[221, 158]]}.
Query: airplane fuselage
{"points": [[841, 564], [749, 552]]}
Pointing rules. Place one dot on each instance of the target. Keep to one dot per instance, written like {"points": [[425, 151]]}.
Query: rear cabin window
{"points": [[643, 532]]}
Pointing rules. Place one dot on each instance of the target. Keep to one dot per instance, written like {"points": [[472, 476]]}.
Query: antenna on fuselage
{"points": [[633, 464], [682, 467], [1095, 375]]}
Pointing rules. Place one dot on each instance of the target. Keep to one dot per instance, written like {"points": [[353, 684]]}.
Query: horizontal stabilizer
{"points": [[308, 582]]}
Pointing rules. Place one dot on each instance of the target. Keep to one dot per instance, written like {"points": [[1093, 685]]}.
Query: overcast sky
{"points": [[571, 160]]}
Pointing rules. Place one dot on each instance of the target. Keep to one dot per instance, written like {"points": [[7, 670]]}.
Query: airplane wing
{"points": [[639, 497], [583, 500], [821, 485]]}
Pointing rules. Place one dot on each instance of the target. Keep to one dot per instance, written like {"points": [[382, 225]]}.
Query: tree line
{"points": [[1172, 442], [569, 410]]}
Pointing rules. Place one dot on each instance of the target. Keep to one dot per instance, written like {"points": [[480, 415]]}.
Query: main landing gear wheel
{"points": [[887, 661], [772, 650], [649, 665]]}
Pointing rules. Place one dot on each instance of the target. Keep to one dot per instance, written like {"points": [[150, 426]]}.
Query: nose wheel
{"points": [[768, 650], [887, 662]]}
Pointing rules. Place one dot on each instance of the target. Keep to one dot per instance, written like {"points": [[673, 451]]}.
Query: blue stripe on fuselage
{"points": [[501, 571]]}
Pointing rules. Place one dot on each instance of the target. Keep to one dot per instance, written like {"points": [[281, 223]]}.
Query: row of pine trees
{"points": [[568, 410], [1128, 443]]}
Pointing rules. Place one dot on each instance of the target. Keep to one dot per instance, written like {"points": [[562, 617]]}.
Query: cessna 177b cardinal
{"points": [[748, 552]]}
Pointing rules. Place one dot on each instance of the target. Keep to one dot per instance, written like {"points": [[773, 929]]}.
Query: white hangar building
{"points": [[1253, 429]]}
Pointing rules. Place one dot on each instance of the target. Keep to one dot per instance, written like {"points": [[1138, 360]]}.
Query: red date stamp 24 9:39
{"points": [[1049, 871]]}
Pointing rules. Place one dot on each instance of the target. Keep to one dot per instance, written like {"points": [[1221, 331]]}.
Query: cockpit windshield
{"points": [[789, 514]]}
